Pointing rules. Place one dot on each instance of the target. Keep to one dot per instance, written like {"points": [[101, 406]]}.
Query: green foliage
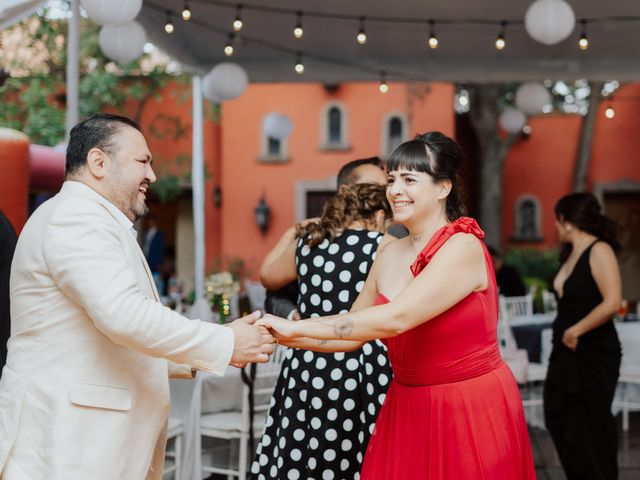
{"points": [[534, 264], [167, 188]]}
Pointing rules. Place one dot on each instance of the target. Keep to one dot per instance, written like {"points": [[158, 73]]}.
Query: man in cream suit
{"points": [[84, 394]]}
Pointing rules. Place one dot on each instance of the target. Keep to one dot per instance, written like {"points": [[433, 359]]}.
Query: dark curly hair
{"points": [[439, 156], [584, 211], [352, 202]]}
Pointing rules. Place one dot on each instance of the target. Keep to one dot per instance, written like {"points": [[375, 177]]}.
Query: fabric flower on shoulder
{"points": [[461, 225]]}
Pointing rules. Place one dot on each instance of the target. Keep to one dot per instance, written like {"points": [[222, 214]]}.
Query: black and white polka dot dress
{"points": [[325, 404]]}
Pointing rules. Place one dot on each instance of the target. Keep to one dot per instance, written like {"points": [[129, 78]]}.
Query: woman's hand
{"points": [[570, 338], [280, 328]]}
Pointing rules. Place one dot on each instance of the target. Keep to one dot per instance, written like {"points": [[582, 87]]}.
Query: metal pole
{"points": [[197, 185], [73, 69]]}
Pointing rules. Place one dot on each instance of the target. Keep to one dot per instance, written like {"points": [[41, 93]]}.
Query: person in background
{"points": [[509, 281], [153, 249], [282, 302], [8, 240], [325, 404], [585, 359]]}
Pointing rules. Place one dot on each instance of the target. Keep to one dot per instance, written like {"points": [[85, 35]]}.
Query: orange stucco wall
{"points": [[244, 179]]}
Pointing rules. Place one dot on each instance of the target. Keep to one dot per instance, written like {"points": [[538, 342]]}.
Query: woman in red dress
{"points": [[453, 410]]}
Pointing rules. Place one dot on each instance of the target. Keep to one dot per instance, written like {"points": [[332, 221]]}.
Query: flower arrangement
{"points": [[219, 287]]}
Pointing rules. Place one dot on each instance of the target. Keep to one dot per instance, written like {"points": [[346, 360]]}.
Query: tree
{"points": [[33, 99]]}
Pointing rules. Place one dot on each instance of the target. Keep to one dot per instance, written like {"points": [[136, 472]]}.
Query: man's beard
{"points": [[139, 210]]}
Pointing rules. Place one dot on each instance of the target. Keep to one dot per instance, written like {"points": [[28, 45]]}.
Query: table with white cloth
{"points": [[207, 393], [528, 333]]}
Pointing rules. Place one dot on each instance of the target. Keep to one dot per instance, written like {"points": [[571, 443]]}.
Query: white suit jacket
{"points": [[85, 393]]}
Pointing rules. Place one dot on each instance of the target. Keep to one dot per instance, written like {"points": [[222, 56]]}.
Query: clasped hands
{"points": [[255, 338]]}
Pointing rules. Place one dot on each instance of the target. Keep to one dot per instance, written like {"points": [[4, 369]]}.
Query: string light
{"points": [[299, 68], [433, 40], [168, 26], [500, 40], [228, 48], [362, 35], [584, 41], [298, 32], [237, 22], [384, 86], [609, 112], [186, 11]]}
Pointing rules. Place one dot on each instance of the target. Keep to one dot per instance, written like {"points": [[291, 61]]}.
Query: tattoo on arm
{"points": [[322, 342], [343, 327]]}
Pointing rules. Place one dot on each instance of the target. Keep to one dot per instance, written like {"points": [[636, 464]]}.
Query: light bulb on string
{"points": [[583, 43], [384, 86], [298, 32], [609, 112], [168, 25], [433, 40], [362, 35], [299, 67], [186, 12], [500, 39], [237, 22], [228, 47]]}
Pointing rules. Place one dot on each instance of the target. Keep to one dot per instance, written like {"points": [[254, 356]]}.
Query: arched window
{"points": [[527, 218], [334, 127], [272, 150], [394, 132]]}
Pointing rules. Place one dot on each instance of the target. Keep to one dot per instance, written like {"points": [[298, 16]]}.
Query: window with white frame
{"points": [[527, 224], [394, 132], [334, 127], [272, 150]]}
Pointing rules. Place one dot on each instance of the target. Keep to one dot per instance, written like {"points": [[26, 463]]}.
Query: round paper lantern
{"points": [[226, 81], [549, 21], [276, 125], [531, 97], [112, 11], [208, 89], [122, 42], [512, 120]]}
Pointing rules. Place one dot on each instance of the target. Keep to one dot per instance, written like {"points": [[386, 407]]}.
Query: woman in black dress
{"points": [[585, 360], [325, 405]]}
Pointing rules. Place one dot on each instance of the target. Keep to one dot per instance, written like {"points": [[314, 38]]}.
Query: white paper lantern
{"points": [[225, 81], [208, 89], [122, 42], [112, 11], [512, 120], [531, 97], [276, 125], [549, 21]]}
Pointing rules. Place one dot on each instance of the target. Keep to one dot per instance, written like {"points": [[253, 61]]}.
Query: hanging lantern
{"points": [[122, 42], [277, 126], [512, 120], [531, 97], [104, 12], [225, 81], [549, 21]]}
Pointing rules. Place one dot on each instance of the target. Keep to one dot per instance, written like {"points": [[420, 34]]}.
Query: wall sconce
{"points": [[263, 214], [217, 196]]}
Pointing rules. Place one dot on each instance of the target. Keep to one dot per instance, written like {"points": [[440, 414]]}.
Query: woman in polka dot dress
{"points": [[325, 405]]}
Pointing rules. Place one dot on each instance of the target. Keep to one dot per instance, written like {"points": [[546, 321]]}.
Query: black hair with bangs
{"points": [[437, 155]]}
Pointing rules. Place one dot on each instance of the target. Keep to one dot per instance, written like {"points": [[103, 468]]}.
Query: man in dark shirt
{"points": [[7, 246], [509, 281]]}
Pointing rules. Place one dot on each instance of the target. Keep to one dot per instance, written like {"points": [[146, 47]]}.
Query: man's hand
{"points": [[252, 343]]}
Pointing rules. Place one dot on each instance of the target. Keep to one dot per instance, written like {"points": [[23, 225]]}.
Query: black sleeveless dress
{"points": [[325, 405], [580, 384]]}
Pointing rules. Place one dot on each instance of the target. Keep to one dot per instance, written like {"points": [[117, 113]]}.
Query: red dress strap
{"points": [[462, 224]]}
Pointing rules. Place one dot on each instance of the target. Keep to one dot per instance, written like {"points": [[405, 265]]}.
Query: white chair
{"points": [[234, 425], [516, 358], [629, 380], [549, 301], [175, 431], [519, 308]]}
